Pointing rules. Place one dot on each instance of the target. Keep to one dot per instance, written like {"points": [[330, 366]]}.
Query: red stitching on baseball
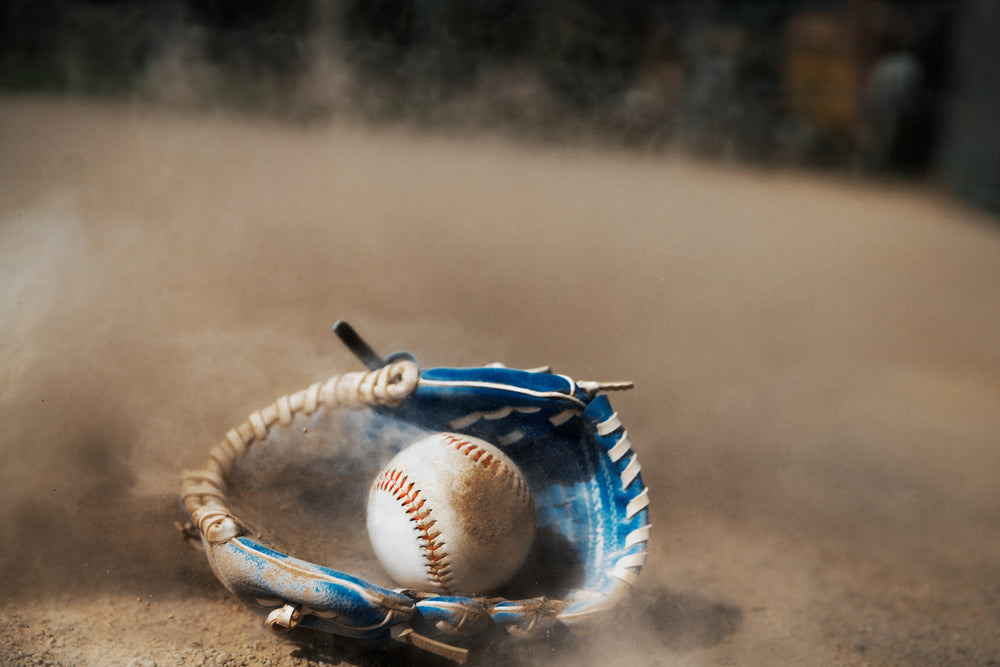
{"points": [[489, 462], [438, 569]]}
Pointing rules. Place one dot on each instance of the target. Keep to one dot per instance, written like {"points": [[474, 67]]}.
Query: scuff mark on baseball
{"points": [[451, 515]]}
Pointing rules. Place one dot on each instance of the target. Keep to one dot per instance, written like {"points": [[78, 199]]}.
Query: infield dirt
{"points": [[816, 359]]}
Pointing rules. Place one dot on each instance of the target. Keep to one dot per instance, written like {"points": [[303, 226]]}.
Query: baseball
{"points": [[452, 515]]}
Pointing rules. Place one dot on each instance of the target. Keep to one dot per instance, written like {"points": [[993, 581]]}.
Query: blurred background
{"points": [[779, 219], [877, 86]]}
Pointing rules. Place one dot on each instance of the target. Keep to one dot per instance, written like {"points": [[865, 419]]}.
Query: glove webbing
{"points": [[203, 492]]}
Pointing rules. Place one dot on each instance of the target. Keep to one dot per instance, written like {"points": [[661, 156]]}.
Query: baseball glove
{"points": [[573, 450]]}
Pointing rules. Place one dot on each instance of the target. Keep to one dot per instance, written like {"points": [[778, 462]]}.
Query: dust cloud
{"points": [[816, 366]]}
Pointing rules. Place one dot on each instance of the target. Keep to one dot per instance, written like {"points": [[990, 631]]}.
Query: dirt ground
{"points": [[816, 359]]}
